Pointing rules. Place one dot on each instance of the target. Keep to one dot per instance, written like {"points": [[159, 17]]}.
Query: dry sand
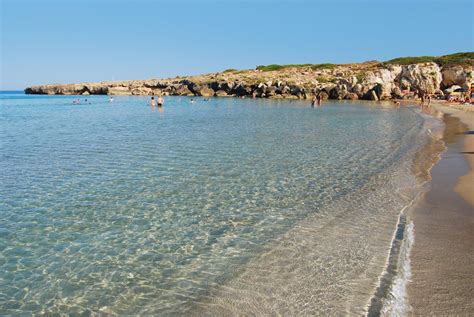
{"points": [[443, 253]]}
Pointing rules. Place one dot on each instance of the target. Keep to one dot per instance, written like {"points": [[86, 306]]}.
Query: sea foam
{"points": [[397, 304]]}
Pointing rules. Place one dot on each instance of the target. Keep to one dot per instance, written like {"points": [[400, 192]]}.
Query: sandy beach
{"points": [[465, 186], [443, 253]]}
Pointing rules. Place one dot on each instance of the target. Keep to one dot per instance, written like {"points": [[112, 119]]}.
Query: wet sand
{"points": [[465, 185], [443, 253]]}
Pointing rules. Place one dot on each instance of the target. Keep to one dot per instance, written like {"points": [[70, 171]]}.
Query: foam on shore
{"points": [[397, 304]]}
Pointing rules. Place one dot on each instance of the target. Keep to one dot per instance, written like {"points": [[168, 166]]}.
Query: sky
{"points": [[65, 41]]}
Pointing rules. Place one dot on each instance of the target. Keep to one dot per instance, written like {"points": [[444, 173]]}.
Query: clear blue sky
{"points": [[46, 41]]}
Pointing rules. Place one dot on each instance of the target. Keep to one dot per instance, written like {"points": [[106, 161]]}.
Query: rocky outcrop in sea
{"points": [[370, 81]]}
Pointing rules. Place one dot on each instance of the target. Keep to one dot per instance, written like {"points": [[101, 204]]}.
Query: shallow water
{"points": [[121, 208]]}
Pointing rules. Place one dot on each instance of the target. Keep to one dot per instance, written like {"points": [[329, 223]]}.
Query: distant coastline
{"points": [[12, 91], [401, 78]]}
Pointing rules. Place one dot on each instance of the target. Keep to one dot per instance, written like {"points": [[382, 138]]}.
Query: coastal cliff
{"points": [[401, 78]]}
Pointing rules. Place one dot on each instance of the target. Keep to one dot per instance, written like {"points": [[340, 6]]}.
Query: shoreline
{"points": [[390, 297], [441, 256], [370, 288]]}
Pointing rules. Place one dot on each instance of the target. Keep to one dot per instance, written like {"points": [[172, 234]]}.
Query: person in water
{"points": [[160, 101], [319, 99], [153, 102], [314, 100], [111, 99]]}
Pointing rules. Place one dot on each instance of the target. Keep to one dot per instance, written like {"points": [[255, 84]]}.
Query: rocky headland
{"points": [[401, 78]]}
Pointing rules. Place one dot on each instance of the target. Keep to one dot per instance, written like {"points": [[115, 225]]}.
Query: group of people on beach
{"points": [[463, 97], [460, 99]]}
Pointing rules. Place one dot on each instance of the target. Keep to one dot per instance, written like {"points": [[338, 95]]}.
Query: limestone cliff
{"points": [[399, 78]]}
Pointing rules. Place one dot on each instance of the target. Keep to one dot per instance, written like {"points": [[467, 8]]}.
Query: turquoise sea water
{"points": [[121, 208]]}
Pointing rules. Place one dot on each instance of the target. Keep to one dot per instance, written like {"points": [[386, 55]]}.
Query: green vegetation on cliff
{"points": [[463, 59], [273, 67]]}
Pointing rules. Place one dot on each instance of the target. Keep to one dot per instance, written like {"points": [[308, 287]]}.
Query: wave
{"points": [[398, 303]]}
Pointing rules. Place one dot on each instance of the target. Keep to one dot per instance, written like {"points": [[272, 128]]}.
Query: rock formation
{"points": [[370, 81]]}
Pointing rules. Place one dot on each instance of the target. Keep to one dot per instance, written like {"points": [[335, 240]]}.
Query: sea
{"points": [[206, 206]]}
